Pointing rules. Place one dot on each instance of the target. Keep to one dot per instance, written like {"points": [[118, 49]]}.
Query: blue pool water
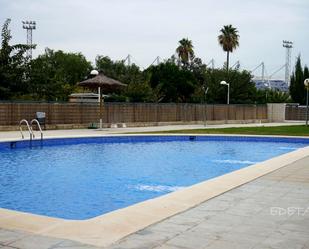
{"points": [[84, 178]]}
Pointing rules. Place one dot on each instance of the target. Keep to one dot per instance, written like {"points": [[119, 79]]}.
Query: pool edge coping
{"points": [[108, 228]]}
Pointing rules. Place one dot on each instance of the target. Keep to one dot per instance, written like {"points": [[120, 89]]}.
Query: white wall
{"points": [[276, 112]]}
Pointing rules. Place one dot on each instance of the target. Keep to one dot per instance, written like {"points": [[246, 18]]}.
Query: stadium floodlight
{"points": [[29, 26]]}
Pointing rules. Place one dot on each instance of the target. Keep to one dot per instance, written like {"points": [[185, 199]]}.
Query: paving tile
{"points": [[198, 214], [216, 205], [169, 227], [301, 236], [280, 243], [225, 219], [187, 241], [7, 247], [148, 235], [165, 246], [221, 244], [135, 244], [184, 220], [204, 233], [9, 236], [250, 240], [36, 242], [251, 229], [68, 244], [214, 230]]}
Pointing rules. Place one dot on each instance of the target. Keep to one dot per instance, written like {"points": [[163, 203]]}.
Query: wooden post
{"points": [[101, 109]]}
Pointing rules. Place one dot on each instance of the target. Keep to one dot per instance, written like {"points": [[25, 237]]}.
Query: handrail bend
{"points": [[29, 129], [38, 124]]}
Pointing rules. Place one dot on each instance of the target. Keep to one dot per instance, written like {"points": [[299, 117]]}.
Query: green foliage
{"points": [[297, 87], [242, 89], [13, 65], [185, 51], [172, 83], [138, 89], [272, 96], [55, 73], [228, 40]]}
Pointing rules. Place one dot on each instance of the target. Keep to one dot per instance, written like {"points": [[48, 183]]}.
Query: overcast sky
{"points": [[150, 28]]}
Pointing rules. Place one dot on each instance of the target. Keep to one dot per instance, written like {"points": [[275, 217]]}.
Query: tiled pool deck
{"points": [[13, 135], [269, 212]]}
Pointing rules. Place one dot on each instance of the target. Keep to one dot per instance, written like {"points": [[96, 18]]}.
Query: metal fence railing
{"points": [[295, 112]]}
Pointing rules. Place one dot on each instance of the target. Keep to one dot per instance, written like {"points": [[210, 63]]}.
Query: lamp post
{"points": [[205, 89], [266, 93], [94, 73], [306, 83], [228, 90]]}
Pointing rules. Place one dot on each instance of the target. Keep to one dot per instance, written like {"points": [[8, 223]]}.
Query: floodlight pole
{"points": [[29, 26], [288, 45]]}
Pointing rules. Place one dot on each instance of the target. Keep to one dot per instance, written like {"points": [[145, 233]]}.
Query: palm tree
{"points": [[185, 51], [229, 40]]}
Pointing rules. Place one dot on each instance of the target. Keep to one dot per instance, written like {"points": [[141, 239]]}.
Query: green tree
{"points": [[185, 51], [228, 40], [54, 74], [14, 65], [138, 89], [242, 89], [171, 83], [271, 96], [297, 87]]}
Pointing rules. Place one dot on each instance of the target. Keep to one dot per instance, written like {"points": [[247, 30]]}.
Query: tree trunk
{"points": [[227, 60]]}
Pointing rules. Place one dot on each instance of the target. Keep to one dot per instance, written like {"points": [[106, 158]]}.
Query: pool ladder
{"points": [[31, 133]]}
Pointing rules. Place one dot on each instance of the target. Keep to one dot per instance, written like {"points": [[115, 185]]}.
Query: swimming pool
{"points": [[80, 178]]}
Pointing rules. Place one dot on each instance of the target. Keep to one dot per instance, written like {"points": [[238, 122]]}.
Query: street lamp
{"points": [[205, 89], [306, 83], [228, 90], [266, 91]]}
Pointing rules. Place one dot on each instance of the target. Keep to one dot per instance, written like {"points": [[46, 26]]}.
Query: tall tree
{"points": [[138, 89], [297, 88], [54, 74], [242, 89], [185, 51], [228, 40], [171, 83], [13, 65]]}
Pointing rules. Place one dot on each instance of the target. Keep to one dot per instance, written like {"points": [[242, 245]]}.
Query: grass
{"points": [[294, 130]]}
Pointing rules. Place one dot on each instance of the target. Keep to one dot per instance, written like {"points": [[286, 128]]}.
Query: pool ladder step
{"points": [[30, 129]]}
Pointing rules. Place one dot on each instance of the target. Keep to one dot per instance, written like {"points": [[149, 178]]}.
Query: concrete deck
{"points": [[13, 135], [269, 212]]}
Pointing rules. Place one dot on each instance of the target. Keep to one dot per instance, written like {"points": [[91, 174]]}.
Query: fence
{"points": [[75, 113], [295, 112]]}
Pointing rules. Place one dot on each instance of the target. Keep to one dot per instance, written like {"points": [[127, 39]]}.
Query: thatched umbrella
{"points": [[103, 84]]}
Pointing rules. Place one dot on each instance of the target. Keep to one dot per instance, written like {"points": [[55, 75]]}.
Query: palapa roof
{"points": [[107, 84]]}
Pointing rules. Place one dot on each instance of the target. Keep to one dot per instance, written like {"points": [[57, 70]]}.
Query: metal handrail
{"points": [[29, 129], [38, 124]]}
